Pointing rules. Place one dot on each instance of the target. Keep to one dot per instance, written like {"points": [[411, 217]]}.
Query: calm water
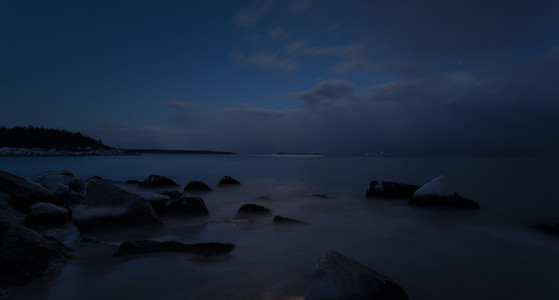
{"points": [[432, 254]]}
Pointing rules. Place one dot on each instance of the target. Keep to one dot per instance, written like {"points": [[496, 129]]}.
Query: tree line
{"points": [[47, 138]]}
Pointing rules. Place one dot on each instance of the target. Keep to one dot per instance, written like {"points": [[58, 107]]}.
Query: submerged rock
{"points": [[107, 206], [24, 193], [319, 196], [253, 209], [158, 181], [197, 186], [187, 207], [550, 228], [26, 254], [228, 180], [202, 249], [339, 277], [437, 193], [391, 190], [284, 220]]}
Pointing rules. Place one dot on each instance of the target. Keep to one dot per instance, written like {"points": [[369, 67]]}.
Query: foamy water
{"points": [[433, 254]]}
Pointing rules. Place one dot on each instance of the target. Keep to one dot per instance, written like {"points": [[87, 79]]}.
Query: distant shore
{"points": [[15, 151]]}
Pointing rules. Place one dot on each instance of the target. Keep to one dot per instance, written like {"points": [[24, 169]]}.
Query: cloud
{"points": [[299, 6], [266, 60], [181, 105], [326, 93], [353, 66], [245, 110], [247, 17], [277, 33]]}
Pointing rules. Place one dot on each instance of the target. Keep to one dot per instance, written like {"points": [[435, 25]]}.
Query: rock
{"points": [[90, 241], [24, 193], [158, 202], [187, 206], [437, 193], [96, 178], [158, 181], [201, 249], [107, 206], [284, 220], [339, 277], [228, 180], [9, 213], [319, 196], [391, 190], [550, 228], [197, 186], [238, 221], [172, 194], [44, 212], [253, 209], [26, 255], [62, 177]]}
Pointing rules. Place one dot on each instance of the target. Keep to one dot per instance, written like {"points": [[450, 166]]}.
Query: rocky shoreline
{"points": [[56, 152], [95, 205]]}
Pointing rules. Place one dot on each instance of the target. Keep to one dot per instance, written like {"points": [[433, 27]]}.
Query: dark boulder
{"points": [[228, 180], [391, 190], [339, 277], [159, 202], [23, 193], [201, 249], [172, 194], [158, 181], [107, 206], [196, 186], [284, 220], [44, 212], [187, 207], [550, 228], [437, 193], [26, 255], [253, 209]]}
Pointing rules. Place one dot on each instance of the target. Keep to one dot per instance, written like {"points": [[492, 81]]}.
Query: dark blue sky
{"points": [[410, 77]]}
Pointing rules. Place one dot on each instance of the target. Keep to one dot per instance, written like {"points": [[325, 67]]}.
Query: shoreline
{"points": [[99, 152]]}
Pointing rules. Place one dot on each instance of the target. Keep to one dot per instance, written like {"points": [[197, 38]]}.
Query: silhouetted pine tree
{"points": [[47, 138]]}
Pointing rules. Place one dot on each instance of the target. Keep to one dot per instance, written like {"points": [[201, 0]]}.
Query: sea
{"points": [[490, 253]]}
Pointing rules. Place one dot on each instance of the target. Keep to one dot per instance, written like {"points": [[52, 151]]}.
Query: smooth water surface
{"points": [[433, 254]]}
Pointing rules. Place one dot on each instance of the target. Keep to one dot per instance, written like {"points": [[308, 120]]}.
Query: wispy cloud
{"points": [[181, 105], [326, 93], [247, 17], [266, 60], [299, 6], [244, 110]]}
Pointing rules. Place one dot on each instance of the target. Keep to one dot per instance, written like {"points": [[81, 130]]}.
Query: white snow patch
{"points": [[436, 187], [378, 186]]}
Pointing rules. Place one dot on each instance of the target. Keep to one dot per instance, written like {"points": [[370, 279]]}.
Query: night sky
{"points": [[407, 77]]}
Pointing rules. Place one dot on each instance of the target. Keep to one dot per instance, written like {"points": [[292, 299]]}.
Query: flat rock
{"points": [[158, 181], [284, 220], [24, 193], [339, 277], [201, 249], [391, 190], [107, 206], [187, 206], [254, 209], [197, 186], [228, 180]]}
